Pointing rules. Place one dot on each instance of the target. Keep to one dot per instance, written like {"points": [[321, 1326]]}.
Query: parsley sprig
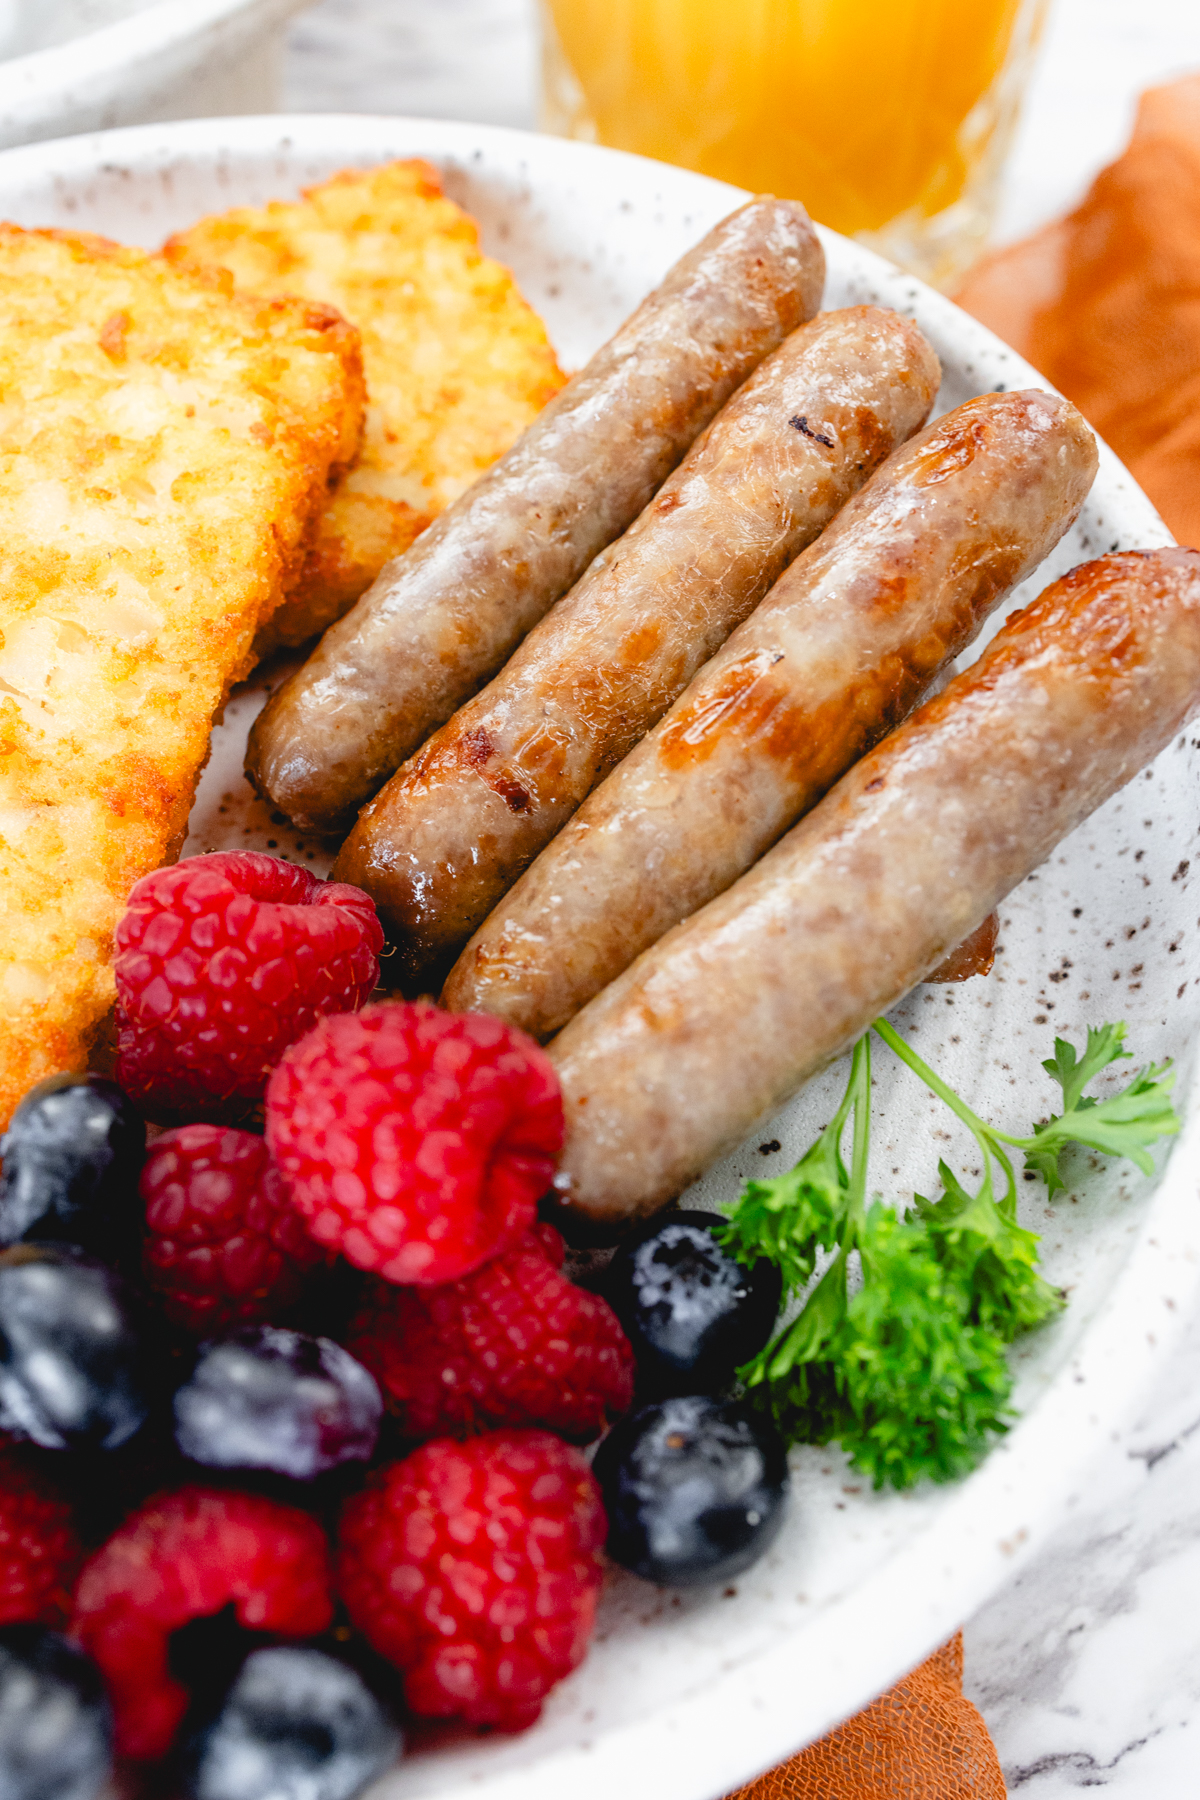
{"points": [[907, 1371]]}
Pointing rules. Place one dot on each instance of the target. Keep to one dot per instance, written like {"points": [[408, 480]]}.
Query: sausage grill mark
{"points": [[514, 796], [802, 424], [476, 748]]}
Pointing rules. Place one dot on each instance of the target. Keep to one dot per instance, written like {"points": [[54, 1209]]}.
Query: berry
{"points": [[71, 1154], [296, 1725], [280, 1400], [692, 1313], [224, 1245], [222, 962], [73, 1373], [417, 1142], [184, 1556], [55, 1723], [514, 1343], [694, 1489], [475, 1569], [39, 1551]]}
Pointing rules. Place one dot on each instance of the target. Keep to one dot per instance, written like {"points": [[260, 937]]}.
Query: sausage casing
{"points": [[844, 645], [443, 617], [457, 824], [737, 1007]]}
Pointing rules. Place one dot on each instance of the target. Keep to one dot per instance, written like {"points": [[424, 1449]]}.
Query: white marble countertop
{"points": [[1087, 1666]]}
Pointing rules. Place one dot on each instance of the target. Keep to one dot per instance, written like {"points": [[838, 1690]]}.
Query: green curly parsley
{"points": [[908, 1372]]}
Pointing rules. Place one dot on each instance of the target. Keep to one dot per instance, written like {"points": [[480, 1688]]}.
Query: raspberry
{"points": [[224, 1245], [515, 1343], [39, 1551], [475, 1569], [185, 1556], [417, 1142], [222, 962]]}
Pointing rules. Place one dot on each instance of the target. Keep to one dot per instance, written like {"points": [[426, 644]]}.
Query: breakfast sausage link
{"points": [[443, 617], [457, 824], [845, 644], [732, 1012]]}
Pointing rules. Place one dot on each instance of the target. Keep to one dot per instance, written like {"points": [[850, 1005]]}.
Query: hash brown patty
{"points": [[457, 363], [164, 447]]}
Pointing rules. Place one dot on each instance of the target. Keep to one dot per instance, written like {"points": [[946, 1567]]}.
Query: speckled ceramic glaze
{"points": [[80, 65], [685, 1696]]}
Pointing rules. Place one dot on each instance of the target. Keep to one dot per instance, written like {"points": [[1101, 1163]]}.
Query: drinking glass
{"points": [[889, 119]]}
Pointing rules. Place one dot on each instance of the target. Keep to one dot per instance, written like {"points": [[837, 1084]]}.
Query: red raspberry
{"points": [[475, 1568], [39, 1551], [224, 1245], [417, 1142], [222, 962], [515, 1343], [184, 1556]]}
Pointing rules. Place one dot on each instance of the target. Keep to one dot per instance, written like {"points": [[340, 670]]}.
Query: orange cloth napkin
{"points": [[1106, 303], [923, 1740]]}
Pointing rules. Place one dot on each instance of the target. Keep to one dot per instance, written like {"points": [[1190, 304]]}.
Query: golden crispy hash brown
{"points": [[164, 445], [457, 363]]}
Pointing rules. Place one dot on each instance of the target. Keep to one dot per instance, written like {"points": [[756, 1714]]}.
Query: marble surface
{"points": [[1087, 1665]]}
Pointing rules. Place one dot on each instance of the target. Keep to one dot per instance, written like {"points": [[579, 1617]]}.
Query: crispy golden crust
{"points": [[163, 447], [457, 363]]}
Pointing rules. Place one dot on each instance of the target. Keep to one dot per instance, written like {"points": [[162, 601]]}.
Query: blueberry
{"points": [[691, 1312], [72, 1155], [694, 1489], [72, 1372], [55, 1725], [296, 1725], [266, 1398]]}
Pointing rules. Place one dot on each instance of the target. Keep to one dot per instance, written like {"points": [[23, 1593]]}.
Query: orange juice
{"points": [[870, 111]]}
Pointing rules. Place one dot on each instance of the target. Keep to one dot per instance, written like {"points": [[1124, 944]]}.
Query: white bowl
{"points": [[82, 65], [684, 1696]]}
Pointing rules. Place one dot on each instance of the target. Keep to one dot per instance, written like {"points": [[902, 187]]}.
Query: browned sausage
{"points": [[443, 617], [456, 825], [974, 956], [733, 1011], [846, 643]]}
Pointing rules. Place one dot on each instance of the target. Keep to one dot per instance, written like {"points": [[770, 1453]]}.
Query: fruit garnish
{"points": [[71, 1157], [185, 1556], [40, 1553], [414, 1141], [514, 1343], [267, 1398], [222, 962], [295, 1722], [694, 1489], [74, 1375], [475, 1569], [55, 1720], [690, 1309], [224, 1245]]}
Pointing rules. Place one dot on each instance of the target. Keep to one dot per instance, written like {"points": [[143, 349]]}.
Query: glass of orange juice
{"points": [[889, 119]]}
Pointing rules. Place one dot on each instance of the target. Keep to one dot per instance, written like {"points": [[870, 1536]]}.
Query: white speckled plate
{"points": [[684, 1697]]}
